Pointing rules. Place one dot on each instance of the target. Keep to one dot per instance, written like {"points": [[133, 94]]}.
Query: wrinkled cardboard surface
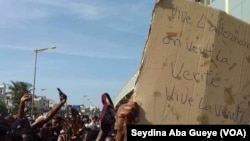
{"points": [[195, 67]]}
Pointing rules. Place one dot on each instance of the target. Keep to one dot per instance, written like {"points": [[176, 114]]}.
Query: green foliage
{"points": [[3, 109], [95, 111], [36, 111], [17, 89]]}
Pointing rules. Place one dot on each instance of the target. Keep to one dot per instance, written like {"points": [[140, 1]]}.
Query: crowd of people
{"points": [[52, 126]]}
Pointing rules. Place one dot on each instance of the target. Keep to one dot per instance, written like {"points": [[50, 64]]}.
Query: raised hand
{"points": [[63, 97], [25, 97], [126, 114], [48, 116]]}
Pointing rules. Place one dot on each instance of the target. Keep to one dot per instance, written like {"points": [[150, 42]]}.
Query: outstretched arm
{"points": [[43, 119], [24, 98]]}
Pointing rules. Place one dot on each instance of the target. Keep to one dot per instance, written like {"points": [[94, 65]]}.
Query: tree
{"points": [[3, 109], [36, 111], [96, 111], [17, 89]]}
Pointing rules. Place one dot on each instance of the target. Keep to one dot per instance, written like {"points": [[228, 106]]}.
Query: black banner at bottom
{"points": [[194, 132]]}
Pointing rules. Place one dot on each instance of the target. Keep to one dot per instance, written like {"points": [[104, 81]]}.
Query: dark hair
{"points": [[21, 126]]}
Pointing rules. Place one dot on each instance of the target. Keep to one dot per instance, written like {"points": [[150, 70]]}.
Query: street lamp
{"points": [[34, 82], [42, 91]]}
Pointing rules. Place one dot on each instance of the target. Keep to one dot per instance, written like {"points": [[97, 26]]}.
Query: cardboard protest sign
{"points": [[195, 67]]}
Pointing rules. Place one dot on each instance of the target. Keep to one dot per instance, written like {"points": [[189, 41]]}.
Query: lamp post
{"points": [[227, 6], [42, 91], [34, 81]]}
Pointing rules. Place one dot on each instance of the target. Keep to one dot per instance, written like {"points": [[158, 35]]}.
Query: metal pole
{"points": [[34, 82], [34, 85], [227, 6]]}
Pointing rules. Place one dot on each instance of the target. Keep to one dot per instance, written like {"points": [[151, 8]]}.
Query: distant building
{"points": [[52, 103], [237, 8], [6, 97], [8, 102], [2, 91], [42, 103], [127, 90]]}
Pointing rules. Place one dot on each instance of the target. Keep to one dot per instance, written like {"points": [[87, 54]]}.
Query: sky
{"points": [[99, 45]]}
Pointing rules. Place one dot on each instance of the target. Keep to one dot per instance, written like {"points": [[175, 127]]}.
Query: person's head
{"points": [[9, 119], [85, 118], [27, 137], [56, 123], [20, 126], [94, 118], [21, 129]]}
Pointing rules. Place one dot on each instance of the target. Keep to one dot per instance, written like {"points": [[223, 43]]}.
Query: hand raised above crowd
{"points": [[126, 114], [63, 97], [48, 116], [26, 97]]}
